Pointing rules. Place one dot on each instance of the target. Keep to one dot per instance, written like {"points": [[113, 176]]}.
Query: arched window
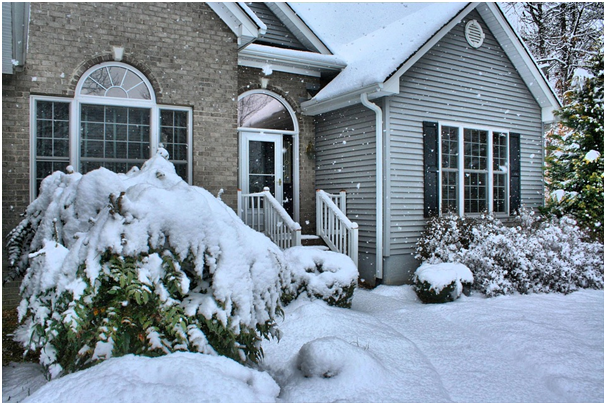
{"points": [[113, 122], [264, 111]]}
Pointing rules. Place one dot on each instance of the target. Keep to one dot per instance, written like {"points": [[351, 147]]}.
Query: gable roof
{"points": [[388, 38]]}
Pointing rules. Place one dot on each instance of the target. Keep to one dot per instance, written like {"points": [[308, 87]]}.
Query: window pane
{"points": [[450, 147], [499, 193], [263, 111], [115, 81], [117, 138], [499, 151], [475, 192], [45, 168], [52, 129], [476, 149], [449, 191], [174, 138]]}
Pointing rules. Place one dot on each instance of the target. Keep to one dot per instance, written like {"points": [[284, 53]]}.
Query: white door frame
{"points": [[276, 139], [243, 155]]}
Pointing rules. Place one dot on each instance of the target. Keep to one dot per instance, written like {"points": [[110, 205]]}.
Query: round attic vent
{"points": [[474, 33]]}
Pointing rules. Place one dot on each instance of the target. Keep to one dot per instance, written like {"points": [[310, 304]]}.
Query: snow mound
{"points": [[332, 357], [177, 377]]}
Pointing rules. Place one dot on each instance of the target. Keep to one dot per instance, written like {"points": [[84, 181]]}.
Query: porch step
{"points": [[313, 241]]}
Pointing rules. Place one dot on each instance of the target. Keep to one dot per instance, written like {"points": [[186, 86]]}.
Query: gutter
{"points": [[379, 180]]}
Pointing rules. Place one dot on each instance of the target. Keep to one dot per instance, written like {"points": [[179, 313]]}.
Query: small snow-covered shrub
{"points": [[331, 357], [325, 275], [444, 282], [536, 254], [140, 263]]}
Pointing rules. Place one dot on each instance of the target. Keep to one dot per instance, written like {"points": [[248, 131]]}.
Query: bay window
{"points": [[113, 122]]}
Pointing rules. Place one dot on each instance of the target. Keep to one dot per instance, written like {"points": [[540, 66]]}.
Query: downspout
{"points": [[379, 180]]}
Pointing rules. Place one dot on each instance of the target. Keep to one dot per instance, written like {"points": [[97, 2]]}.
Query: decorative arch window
{"points": [[113, 121], [261, 110]]}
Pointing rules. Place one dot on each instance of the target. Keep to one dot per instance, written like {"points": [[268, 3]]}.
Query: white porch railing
{"points": [[262, 212], [333, 226]]}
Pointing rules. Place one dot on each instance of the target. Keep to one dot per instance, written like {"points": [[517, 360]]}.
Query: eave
{"points": [[288, 60]]}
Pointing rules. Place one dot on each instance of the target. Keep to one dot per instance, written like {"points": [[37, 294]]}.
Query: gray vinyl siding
{"points": [[454, 82], [277, 33], [7, 39], [345, 160]]}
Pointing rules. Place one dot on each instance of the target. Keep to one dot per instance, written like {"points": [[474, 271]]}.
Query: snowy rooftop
{"points": [[383, 36]]}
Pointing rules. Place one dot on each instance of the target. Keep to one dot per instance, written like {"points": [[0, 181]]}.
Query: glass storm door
{"points": [[262, 163]]}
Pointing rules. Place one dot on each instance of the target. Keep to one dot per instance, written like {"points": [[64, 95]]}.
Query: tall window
{"points": [[473, 170], [113, 122]]}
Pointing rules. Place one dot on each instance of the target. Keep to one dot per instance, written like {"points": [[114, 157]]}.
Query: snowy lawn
{"points": [[388, 348]]}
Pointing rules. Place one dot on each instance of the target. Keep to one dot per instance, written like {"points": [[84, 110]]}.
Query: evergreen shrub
{"points": [[329, 276], [533, 254], [158, 267]]}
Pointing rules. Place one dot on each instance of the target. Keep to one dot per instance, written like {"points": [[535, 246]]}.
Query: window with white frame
{"points": [[113, 122], [473, 169]]}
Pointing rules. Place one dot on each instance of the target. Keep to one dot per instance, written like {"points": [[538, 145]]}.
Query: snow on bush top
{"points": [[442, 274], [79, 219]]}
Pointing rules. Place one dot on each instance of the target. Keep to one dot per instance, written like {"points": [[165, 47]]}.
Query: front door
{"points": [[262, 163]]}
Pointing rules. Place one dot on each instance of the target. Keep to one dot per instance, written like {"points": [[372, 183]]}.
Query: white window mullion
{"points": [[74, 136], [490, 175], [461, 162], [154, 131]]}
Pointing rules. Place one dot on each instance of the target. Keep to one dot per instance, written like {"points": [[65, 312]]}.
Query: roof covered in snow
{"points": [[372, 38]]}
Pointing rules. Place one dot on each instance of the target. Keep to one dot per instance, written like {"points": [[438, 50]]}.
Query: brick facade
{"points": [[188, 54], [191, 59]]}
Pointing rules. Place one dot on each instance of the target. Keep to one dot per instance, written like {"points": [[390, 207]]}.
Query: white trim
{"points": [[289, 60], [374, 91], [295, 134], [461, 126], [245, 136], [240, 20], [190, 137]]}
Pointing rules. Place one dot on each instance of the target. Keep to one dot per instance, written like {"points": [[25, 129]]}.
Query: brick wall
{"points": [[294, 89], [187, 52]]}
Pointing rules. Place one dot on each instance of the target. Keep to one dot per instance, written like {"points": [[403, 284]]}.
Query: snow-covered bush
{"points": [[536, 254], [325, 275], [140, 263], [443, 282]]}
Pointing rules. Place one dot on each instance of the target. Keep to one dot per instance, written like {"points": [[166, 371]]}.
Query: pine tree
{"points": [[575, 153]]}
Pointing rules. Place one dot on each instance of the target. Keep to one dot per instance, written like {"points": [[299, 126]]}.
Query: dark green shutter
{"points": [[432, 168], [514, 173]]}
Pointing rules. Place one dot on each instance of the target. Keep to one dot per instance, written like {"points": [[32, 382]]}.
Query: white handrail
{"points": [[333, 226], [262, 212]]}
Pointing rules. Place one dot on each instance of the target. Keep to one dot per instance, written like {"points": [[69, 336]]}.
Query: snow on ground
{"points": [[388, 348]]}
